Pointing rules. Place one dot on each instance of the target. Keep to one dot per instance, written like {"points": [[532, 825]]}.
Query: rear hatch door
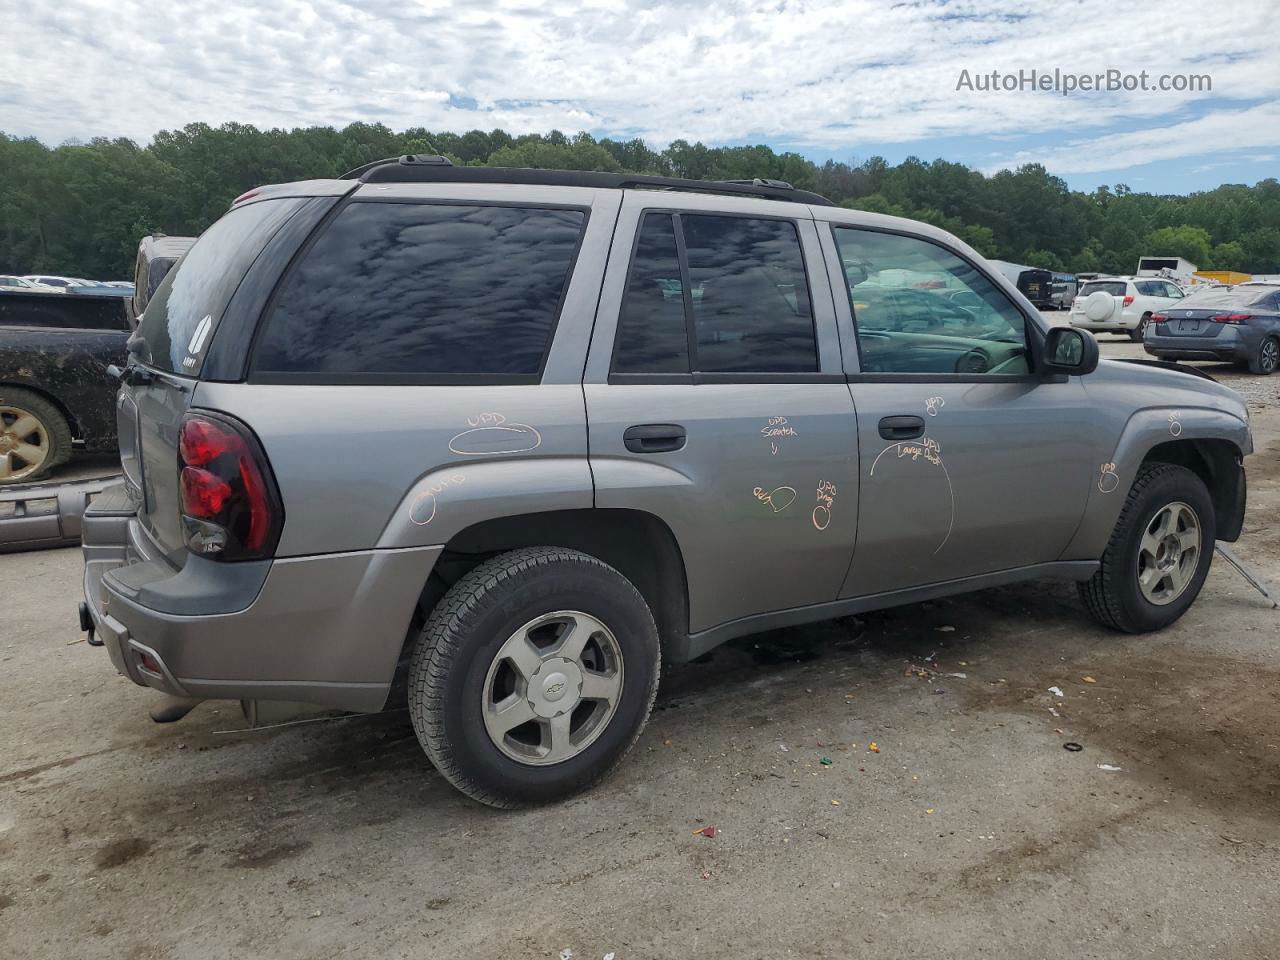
{"points": [[168, 353]]}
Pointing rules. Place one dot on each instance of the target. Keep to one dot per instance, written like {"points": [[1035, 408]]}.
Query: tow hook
{"points": [[86, 625]]}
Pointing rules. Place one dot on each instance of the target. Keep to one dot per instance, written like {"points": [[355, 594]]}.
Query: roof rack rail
{"points": [[433, 169]]}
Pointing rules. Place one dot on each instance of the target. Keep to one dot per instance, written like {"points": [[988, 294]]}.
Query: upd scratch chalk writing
{"points": [[423, 510], [1175, 427], [826, 495], [1107, 479], [775, 429], [933, 405], [491, 435], [778, 499]]}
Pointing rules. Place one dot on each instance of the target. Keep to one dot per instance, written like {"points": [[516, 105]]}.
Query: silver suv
{"points": [[526, 434]]}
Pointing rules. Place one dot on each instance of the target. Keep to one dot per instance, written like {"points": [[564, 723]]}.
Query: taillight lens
{"points": [[1239, 319], [230, 505], [1128, 300], [1158, 318]]}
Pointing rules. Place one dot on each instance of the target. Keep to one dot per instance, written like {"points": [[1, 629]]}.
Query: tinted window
{"points": [[1117, 288], [201, 284], [425, 289], [751, 306], [903, 293], [652, 337]]}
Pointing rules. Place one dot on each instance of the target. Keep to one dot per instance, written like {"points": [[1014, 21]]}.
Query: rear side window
{"points": [[420, 290], [738, 283], [1114, 287], [180, 318]]}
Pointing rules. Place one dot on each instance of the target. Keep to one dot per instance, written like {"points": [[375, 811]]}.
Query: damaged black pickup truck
{"points": [[55, 391]]}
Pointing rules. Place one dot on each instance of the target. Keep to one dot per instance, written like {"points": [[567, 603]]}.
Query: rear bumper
{"points": [[1228, 345], [327, 630]]}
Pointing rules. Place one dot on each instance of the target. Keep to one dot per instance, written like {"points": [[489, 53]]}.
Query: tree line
{"points": [[80, 208]]}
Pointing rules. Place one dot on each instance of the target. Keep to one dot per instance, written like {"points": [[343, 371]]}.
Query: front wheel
{"points": [[1159, 554], [533, 676]]}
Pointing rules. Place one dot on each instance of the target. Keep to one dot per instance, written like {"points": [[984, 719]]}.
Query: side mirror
{"points": [[1071, 351]]}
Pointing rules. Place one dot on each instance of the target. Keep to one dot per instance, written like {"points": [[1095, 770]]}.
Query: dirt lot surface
{"points": [[971, 832]]}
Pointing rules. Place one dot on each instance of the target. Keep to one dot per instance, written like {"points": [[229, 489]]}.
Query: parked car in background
{"points": [[55, 393], [1240, 324], [554, 473], [23, 285], [51, 280], [157, 254], [1122, 304]]}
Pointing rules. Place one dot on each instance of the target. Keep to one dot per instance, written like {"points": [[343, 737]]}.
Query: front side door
{"points": [[716, 402], [971, 463]]}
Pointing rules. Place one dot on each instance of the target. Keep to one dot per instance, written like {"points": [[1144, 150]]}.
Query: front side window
{"points": [[738, 300], [425, 290], [919, 308]]}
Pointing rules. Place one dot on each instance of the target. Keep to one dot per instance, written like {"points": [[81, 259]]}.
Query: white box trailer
{"points": [[1178, 269]]}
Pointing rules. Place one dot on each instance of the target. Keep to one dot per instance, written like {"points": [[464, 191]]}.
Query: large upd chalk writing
{"points": [[928, 450], [491, 435]]}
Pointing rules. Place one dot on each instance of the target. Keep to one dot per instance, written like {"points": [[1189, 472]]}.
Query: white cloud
{"points": [[829, 76]]}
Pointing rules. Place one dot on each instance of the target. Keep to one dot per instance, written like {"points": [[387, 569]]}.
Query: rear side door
{"points": [[971, 462], [715, 400]]}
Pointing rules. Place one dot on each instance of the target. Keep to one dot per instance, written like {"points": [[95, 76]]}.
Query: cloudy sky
{"points": [[828, 79]]}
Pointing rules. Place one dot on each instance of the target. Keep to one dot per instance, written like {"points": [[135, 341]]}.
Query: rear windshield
{"points": [[180, 318], [1229, 297], [1114, 287]]}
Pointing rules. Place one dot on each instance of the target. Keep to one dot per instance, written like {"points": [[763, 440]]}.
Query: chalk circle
{"points": [[1175, 428], [490, 441], [821, 517], [1108, 482], [424, 506]]}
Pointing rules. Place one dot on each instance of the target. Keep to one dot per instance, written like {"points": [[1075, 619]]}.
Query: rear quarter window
{"points": [[424, 291], [180, 319], [1114, 287]]}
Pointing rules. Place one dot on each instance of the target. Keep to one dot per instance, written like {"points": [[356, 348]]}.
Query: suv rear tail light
{"points": [[1239, 319], [230, 505], [1128, 300]]}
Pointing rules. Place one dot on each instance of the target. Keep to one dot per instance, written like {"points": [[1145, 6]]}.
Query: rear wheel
{"points": [[533, 676], [1266, 358], [34, 436], [1159, 554], [1140, 331]]}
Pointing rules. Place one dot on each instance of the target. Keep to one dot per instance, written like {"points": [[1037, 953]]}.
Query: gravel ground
{"points": [[967, 832]]}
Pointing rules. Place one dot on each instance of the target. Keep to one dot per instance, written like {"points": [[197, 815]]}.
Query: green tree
{"points": [[1192, 243]]}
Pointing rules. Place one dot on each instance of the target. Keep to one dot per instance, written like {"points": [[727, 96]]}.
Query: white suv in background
{"points": [[1122, 304]]}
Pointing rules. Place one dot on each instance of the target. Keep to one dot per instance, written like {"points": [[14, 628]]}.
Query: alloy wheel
{"points": [[1269, 355], [552, 688], [1169, 553], [24, 443]]}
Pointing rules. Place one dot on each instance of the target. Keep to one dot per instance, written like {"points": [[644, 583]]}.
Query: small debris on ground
{"points": [[784, 748], [566, 954], [1109, 767], [1057, 691], [1072, 746], [1088, 680], [825, 761], [708, 831], [873, 747], [945, 629]]}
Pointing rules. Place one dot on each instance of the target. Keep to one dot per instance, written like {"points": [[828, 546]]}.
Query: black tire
{"points": [[53, 427], [1112, 595], [1266, 358], [462, 637], [1140, 331]]}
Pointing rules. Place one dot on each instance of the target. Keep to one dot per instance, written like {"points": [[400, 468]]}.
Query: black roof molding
{"points": [[433, 169]]}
